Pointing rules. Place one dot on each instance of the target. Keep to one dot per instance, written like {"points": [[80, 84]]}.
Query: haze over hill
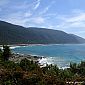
{"points": [[15, 34]]}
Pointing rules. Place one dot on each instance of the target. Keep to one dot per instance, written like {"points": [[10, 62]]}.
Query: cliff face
{"points": [[14, 34]]}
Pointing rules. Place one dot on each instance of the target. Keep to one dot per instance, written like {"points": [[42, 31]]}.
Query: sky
{"points": [[65, 15]]}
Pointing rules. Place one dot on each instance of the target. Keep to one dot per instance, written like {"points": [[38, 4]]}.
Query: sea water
{"points": [[60, 54]]}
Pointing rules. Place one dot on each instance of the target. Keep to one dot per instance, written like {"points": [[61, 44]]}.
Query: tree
{"points": [[1, 56], [73, 67], [6, 52]]}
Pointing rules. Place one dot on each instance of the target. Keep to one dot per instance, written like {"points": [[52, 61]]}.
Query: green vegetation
{"points": [[6, 52], [29, 73], [15, 34]]}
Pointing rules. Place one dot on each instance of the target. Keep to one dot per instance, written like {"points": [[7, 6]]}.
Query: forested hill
{"points": [[14, 34]]}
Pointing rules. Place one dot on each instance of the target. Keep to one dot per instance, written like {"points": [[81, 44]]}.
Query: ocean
{"points": [[59, 54]]}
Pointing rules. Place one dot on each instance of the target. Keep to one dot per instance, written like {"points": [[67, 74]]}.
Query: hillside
{"points": [[14, 34]]}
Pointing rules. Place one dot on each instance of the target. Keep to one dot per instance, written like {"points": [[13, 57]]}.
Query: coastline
{"points": [[22, 44], [40, 60], [12, 46], [17, 57]]}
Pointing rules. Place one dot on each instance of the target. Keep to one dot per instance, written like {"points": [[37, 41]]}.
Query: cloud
{"points": [[37, 5], [75, 21], [46, 8], [15, 18], [37, 20], [27, 14], [22, 14], [79, 18], [24, 19]]}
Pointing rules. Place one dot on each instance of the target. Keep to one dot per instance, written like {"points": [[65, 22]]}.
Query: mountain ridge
{"points": [[15, 34]]}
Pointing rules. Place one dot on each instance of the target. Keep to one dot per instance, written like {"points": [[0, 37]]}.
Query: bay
{"points": [[60, 54]]}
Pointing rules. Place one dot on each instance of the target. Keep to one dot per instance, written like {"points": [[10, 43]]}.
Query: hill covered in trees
{"points": [[14, 34]]}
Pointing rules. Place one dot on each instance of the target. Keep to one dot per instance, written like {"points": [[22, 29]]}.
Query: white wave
{"points": [[13, 47], [60, 62], [1, 47], [64, 67]]}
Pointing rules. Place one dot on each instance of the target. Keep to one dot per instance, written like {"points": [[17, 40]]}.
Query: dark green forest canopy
{"points": [[14, 34]]}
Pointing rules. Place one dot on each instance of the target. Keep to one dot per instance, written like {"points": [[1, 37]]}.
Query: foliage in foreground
{"points": [[29, 73]]}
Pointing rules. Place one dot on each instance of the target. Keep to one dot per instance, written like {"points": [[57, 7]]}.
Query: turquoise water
{"points": [[61, 54]]}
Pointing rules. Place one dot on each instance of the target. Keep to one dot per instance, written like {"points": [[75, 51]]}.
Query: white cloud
{"points": [[28, 14], [24, 6], [76, 21], [79, 18], [37, 5], [37, 20], [24, 19], [46, 8], [17, 18]]}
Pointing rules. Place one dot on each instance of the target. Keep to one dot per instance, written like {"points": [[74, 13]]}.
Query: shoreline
{"points": [[41, 60], [17, 57], [11, 45]]}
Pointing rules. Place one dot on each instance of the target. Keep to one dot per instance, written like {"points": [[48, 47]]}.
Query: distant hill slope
{"points": [[14, 34]]}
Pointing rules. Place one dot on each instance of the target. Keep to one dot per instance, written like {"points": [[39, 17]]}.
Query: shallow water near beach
{"points": [[60, 54]]}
